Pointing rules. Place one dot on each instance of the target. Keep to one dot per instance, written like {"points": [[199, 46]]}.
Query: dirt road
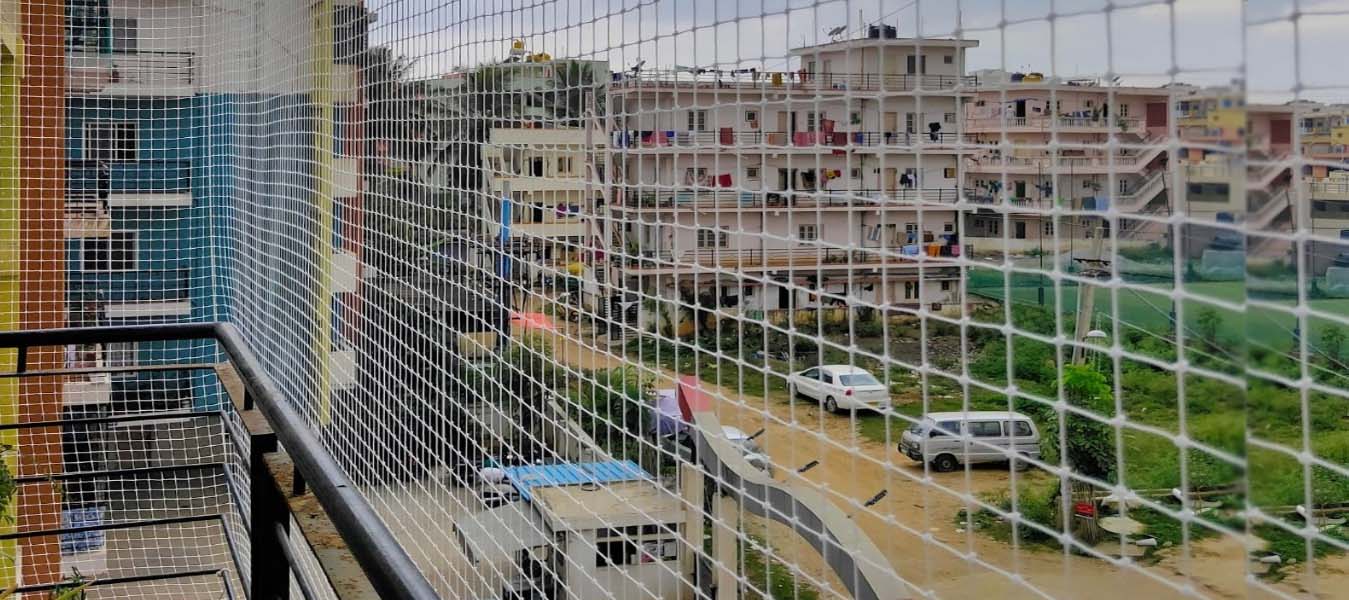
{"points": [[914, 525]]}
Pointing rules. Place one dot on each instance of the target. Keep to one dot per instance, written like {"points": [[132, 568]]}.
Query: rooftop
{"points": [[526, 479], [842, 45], [621, 504]]}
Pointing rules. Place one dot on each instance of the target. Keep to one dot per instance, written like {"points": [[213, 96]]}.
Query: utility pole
{"points": [[1086, 298]]}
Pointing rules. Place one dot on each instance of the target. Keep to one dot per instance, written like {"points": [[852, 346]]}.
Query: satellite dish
{"points": [[837, 31], [638, 67]]}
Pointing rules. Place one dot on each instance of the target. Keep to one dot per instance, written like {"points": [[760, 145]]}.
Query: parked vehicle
{"points": [[838, 387], [938, 439]]}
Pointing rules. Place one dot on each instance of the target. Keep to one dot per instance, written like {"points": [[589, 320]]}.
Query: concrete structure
{"points": [[1033, 114], [585, 530], [761, 190]]}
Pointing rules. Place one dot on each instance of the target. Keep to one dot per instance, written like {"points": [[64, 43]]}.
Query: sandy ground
{"points": [[914, 524]]}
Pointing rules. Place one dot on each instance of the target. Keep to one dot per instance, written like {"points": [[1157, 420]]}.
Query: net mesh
{"points": [[860, 298]]}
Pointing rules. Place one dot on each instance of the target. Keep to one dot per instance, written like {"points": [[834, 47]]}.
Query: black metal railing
{"points": [[665, 139], [204, 475], [730, 198]]}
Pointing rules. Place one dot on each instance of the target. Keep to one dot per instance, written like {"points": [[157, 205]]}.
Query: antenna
{"points": [[835, 32]]}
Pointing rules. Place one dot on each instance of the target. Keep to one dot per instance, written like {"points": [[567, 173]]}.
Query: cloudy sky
{"points": [[1147, 42]]}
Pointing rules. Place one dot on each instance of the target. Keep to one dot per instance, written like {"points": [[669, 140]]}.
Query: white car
{"points": [[838, 387]]}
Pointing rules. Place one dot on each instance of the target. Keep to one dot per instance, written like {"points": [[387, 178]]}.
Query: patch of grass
{"points": [[1292, 548], [1035, 502], [771, 576]]}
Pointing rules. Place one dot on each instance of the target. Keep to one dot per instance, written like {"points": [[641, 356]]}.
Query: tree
{"points": [[1207, 324], [1332, 341], [1091, 442]]}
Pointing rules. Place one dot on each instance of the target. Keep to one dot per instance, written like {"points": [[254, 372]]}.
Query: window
{"points": [[810, 66], [712, 238], [946, 428], [751, 172], [1021, 429], [120, 354], [985, 428], [855, 172], [948, 59], [949, 118], [810, 373], [695, 175], [826, 377], [697, 120], [910, 290], [855, 118], [948, 227], [615, 553], [1091, 104], [1196, 189], [113, 141], [810, 120], [564, 165], [949, 172], [945, 286], [752, 116], [1049, 228], [124, 35], [1123, 110], [917, 66], [807, 233], [910, 123], [117, 252], [1123, 186]]}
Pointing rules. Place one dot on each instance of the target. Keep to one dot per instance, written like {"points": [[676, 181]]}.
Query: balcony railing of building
{"points": [[151, 67], [91, 178], [855, 198], [132, 285], [789, 81], [207, 511], [668, 139], [909, 255], [1334, 190], [1122, 124]]}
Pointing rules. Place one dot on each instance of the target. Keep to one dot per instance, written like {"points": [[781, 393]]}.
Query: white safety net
{"points": [[666, 298]]}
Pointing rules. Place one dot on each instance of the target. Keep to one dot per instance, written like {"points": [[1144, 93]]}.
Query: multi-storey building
{"points": [[763, 189], [152, 180], [1057, 131]]}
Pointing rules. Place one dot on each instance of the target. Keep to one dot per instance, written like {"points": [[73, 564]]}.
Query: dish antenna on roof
{"points": [[637, 68], [837, 31]]}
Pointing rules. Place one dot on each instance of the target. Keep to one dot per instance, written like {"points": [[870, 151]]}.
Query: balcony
{"points": [[856, 199], [1086, 162], [144, 73], [235, 498], [776, 141], [92, 388], [787, 82], [1061, 123], [790, 259], [1329, 190], [87, 218], [139, 184]]}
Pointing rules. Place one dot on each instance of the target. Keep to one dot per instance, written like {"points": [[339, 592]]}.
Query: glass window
{"points": [[946, 428], [810, 373], [1021, 429], [826, 377], [858, 379], [985, 428]]}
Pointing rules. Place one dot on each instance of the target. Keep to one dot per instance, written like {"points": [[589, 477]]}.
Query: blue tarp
{"points": [[528, 477]]}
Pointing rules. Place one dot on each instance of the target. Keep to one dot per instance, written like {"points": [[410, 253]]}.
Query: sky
{"points": [[1145, 42]]}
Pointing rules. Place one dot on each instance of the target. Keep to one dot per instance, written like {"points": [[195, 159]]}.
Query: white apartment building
{"points": [[1058, 131], [768, 188]]}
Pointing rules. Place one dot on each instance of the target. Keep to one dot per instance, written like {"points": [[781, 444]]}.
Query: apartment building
{"points": [[778, 190], [148, 190], [1058, 131], [1324, 133]]}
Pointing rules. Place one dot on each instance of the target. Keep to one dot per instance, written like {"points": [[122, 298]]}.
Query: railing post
{"points": [[268, 569]]}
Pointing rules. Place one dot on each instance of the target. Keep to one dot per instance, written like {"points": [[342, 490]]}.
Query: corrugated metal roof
{"points": [[527, 477]]}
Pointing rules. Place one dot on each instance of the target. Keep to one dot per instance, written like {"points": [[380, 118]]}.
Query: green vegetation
{"points": [[762, 572]]}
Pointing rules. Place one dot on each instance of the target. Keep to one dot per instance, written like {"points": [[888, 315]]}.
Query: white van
{"points": [[937, 439]]}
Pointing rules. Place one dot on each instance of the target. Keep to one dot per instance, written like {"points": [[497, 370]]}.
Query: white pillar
{"points": [[725, 527]]}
